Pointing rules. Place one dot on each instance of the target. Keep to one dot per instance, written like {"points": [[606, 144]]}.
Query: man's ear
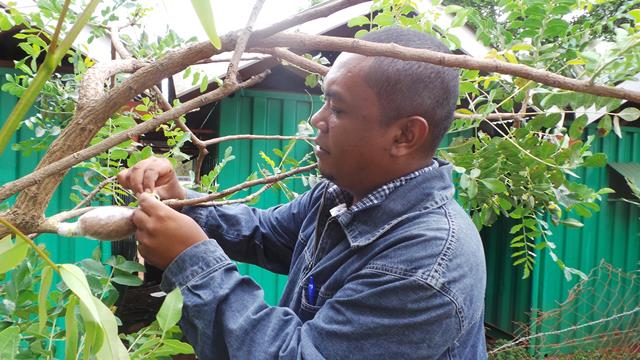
{"points": [[411, 134]]}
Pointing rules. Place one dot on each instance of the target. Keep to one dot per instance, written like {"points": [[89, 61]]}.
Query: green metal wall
{"points": [[264, 113], [14, 165], [612, 235]]}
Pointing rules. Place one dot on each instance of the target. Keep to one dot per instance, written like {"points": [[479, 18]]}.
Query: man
{"points": [[382, 262]]}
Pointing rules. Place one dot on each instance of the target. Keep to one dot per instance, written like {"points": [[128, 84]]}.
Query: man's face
{"points": [[352, 142]]}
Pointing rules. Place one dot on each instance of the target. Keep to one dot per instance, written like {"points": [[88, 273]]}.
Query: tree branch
{"points": [[94, 192], [30, 204], [295, 59], [157, 94], [241, 44], [255, 137], [234, 189], [13, 187], [318, 42]]}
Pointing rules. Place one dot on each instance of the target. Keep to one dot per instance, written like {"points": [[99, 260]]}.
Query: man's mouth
{"points": [[319, 150]]}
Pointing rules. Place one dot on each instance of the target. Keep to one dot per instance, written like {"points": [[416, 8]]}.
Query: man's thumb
{"points": [[150, 204]]}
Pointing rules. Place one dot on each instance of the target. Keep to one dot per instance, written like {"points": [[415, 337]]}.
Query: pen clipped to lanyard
{"points": [[311, 291]]}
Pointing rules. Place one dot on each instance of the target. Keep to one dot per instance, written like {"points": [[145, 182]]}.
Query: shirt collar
{"points": [[431, 188], [340, 197]]}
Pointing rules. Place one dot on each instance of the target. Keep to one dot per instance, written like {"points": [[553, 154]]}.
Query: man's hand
{"points": [[154, 174], [163, 233]]}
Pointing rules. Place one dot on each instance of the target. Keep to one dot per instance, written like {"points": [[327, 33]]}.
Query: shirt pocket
{"points": [[308, 311]]}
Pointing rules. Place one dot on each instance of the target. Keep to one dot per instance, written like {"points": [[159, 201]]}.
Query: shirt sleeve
{"points": [[262, 237], [225, 316]]}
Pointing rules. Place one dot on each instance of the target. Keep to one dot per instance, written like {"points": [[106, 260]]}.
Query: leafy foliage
{"points": [[516, 144]]}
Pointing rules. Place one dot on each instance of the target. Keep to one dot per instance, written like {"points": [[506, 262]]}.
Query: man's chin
{"points": [[325, 174]]}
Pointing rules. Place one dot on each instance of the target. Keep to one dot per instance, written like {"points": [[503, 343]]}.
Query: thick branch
{"points": [[75, 158], [241, 44], [245, 185], [317, 42], [162, 101], [315, 12], [30, 204], [295, 59]]}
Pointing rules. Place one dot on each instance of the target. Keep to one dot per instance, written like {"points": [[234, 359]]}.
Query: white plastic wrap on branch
{"points": [[108, 223]]}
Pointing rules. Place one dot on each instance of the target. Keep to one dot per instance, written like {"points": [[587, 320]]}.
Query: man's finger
{"points": [[140, 220], [123, 178], [150, 204], [136, 175], [149, 180]]}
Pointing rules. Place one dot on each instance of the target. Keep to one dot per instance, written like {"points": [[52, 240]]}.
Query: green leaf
{"points": [[267, 159], [604, 125], [383, 19], [473, 188], [170, 311], [358, 21], [71, 326], [556, 27], [177, 346], [495, 185], [629, 114], [44, 73], [75, 279], [596, 160], [45, 285], [13, 255], [452, 9], [205, 14], [112, 347], [572, 223], [204, 83], [9, 340], [577, 127], [128, 280], [128, 266], [505, 204], [576, 61]]}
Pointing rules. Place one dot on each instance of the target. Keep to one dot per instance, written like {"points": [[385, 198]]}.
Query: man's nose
{"points": [[318, 120]]}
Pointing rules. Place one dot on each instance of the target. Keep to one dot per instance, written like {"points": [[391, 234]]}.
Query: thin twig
{"points": [[94, 192], [238, 201], [234, 189], [214, 61], [255, 137], [56, 33], [294, 59]]}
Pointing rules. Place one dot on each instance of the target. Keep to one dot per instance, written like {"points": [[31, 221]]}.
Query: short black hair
{"points": [[412, 88]]}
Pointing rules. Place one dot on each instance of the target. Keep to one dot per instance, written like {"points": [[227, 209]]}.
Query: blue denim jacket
{"points": [[403, 279]]}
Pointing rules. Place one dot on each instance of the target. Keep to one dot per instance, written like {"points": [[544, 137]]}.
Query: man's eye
{"points": [[335, 111]]}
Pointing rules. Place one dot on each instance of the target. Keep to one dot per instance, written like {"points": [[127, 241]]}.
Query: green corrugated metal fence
{"points": [[263, 113], [15, 164], [612, 235]]}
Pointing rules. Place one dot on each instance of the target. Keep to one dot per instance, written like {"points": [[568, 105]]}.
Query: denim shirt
{"points": [[402, 279]]}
